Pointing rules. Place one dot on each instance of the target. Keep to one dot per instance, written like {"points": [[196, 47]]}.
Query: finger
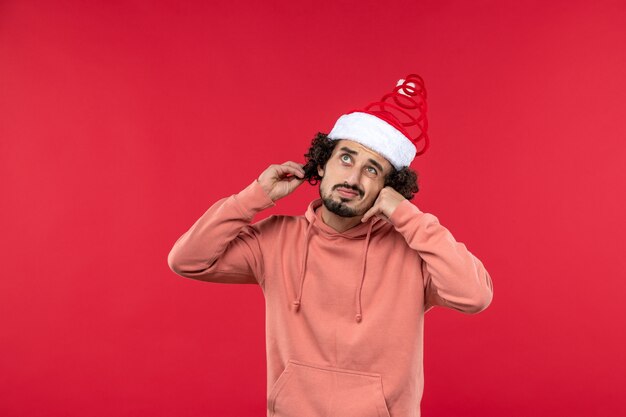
{"points": [[294, 178], [295, 183], [286, 169], [296, 165], [373, 210], [292, 164]]}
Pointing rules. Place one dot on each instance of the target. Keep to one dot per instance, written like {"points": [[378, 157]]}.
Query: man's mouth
{"points": [[347, 192]]}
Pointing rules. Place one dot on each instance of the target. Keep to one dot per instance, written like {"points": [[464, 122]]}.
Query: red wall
{"points": [[122, 122]]}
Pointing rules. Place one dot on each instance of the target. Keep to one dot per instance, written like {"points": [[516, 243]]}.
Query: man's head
{"points": [[371, 148], [348, 166]]}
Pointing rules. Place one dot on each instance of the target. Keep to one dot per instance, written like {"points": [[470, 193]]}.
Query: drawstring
{"points": [[296, 303], [359, 316]]}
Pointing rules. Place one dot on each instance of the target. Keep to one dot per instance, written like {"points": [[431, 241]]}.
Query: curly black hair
{"points": [[403, 181]]}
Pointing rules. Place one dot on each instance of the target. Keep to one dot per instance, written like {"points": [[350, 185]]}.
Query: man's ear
{"points": [[320, 171]]}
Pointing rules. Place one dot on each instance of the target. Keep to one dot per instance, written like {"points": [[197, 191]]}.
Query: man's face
{"points": [[352, 178]]}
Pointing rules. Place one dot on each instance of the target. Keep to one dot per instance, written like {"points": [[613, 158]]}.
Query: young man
{"points": [[347, 284]]}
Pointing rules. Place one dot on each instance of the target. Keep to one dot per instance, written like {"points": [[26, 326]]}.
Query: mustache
{"points": [[349, 187]]}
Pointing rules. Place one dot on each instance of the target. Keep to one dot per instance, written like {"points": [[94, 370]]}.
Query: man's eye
{"points": [[373, 170], [345, 156]]}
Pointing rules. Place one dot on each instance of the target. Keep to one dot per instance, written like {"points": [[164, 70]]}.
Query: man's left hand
{"points": [[387, 201]]}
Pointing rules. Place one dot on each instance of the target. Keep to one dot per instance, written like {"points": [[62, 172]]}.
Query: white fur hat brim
{"points": [[376, 134]]}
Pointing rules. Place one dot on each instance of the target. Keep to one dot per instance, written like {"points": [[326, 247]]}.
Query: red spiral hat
{"points": [[392, 126]]}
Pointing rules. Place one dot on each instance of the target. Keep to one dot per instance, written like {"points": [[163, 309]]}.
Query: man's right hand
{"points": [[279, 181]]}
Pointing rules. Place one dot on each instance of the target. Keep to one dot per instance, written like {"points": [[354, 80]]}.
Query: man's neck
{"points": [[340, 224]]}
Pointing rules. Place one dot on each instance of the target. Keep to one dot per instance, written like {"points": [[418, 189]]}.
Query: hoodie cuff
{"points": [[253, 199]]}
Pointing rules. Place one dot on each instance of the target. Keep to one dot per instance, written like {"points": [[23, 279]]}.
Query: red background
{"points": [[122, 122]]}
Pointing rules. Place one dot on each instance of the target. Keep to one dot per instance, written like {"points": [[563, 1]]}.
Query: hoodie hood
{"points": [[361, 231]]}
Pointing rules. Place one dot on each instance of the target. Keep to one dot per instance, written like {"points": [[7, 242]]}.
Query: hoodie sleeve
{"points": [[222, 246], [453, 276]]}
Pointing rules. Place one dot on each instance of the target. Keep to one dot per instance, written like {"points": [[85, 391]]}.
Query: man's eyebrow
{"points": [[343, 148], [353, 152]]}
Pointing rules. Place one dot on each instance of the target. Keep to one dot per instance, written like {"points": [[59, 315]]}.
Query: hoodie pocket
{"points": [[306, 389]]}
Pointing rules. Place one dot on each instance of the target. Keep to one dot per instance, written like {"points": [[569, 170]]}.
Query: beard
{"points": [[340, 208]]}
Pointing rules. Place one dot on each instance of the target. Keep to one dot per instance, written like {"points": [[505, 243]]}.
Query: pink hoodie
{"points": [[344, 311]]}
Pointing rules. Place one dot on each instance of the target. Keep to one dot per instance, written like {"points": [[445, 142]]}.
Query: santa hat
{"points": [[383, 126]]}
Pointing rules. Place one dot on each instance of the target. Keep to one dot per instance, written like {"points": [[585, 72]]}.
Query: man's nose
{"points": [[354, 177]]}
